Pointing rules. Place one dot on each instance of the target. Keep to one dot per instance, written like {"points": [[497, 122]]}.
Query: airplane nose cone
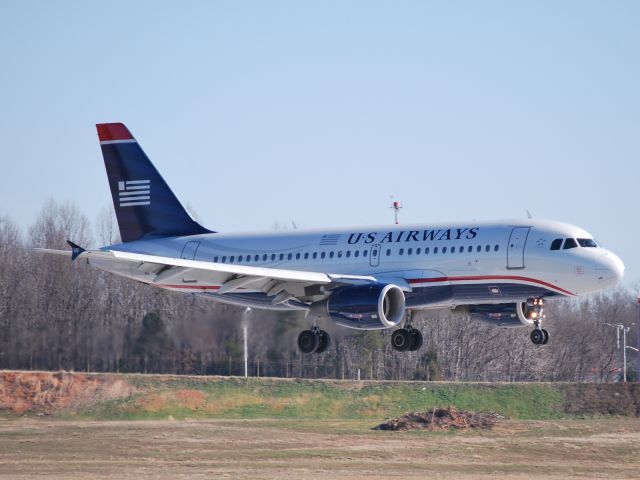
{"points": [[609, 269]]}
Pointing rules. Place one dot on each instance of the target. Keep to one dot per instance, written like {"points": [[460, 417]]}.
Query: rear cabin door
{"points": [[189, 250], [515, 249], [374, 256]]}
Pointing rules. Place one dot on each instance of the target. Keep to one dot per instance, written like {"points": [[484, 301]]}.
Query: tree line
{"points": [[61, 315]]}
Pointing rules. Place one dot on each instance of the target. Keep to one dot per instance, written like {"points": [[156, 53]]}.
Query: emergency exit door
{"points": [[515, 249]]}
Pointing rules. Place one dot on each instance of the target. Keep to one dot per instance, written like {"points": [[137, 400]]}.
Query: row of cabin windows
{"points": [[347, 254]]}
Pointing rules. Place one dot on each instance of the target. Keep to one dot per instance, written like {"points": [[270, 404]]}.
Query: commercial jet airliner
{"points": [[365, 278]]}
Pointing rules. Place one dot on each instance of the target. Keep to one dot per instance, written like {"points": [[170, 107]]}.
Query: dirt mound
{"points": [[449, 418], [45, 392]]}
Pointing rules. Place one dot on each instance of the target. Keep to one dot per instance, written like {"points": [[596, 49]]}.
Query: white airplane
{"points": [[365, 278]]}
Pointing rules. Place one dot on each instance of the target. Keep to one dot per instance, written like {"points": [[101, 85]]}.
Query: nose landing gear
{"points": [[534, 310]]}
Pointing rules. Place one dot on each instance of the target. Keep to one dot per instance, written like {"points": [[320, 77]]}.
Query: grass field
{"points": [[76, 426], [286, 448]]}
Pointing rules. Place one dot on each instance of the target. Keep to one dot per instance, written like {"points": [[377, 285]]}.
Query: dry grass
{"points": [[270, 449]]}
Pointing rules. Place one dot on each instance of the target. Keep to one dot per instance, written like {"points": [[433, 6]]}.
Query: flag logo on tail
{"points": [[134, 193]]}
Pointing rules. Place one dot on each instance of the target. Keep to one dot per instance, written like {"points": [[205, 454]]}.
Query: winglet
{"points": [[76, 250]]}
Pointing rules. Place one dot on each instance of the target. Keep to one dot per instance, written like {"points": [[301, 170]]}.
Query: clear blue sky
{"points": [[266, 111]]}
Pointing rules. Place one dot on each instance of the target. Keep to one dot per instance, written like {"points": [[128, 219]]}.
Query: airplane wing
{"points": [[199, 276]]}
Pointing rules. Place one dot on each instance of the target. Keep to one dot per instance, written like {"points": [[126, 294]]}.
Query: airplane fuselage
{"points": [[464, 263]]}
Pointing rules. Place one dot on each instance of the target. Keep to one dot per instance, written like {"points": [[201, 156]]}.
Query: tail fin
{"points": [[145, 205]]}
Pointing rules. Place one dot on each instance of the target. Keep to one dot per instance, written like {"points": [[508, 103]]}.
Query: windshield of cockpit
{"points": [[567, 243]]}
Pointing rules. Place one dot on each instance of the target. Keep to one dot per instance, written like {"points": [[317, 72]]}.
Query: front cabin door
{"points": [[515, 249]]}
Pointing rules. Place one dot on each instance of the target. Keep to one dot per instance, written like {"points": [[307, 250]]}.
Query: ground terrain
{"points": [[74, 426]]}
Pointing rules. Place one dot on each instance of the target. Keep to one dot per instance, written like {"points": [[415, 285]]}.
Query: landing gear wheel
{"points": [[308, 341], [546, 336], [416, 340], [537, 337], [401, 340], [325, 341]]}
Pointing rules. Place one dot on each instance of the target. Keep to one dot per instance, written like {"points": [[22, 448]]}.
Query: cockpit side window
{"points": [[587, 242], [556, 244], [570, 243]]}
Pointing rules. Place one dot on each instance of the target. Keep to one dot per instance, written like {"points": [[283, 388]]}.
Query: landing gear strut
{"points": [[534, 311], [313, 341], [407, 338]]}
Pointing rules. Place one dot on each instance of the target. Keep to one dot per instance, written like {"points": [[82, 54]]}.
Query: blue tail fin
{"points": [[145, 205]]}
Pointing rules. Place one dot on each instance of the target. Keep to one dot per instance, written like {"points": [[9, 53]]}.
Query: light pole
{"points": [[246, 350], [620, 327]]}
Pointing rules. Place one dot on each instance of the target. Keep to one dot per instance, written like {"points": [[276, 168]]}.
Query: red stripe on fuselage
{"points": [[489, 277], [421, 280]]}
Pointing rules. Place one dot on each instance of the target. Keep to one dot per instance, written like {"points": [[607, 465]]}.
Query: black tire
{"points": [[401, 340], [546, 336], [308, 341], [324, 343], [416, 340], [537, 337]]}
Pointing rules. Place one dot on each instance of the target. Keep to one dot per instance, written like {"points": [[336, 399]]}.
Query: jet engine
{"points": [[369, 307], [507, 315]]}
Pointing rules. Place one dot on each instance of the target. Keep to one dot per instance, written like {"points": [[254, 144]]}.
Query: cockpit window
{"points": [[570, 243], [556, 244], [587, 242]]}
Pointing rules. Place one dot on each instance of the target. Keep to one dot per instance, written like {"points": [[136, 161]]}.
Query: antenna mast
{"points": [[396, 207]]}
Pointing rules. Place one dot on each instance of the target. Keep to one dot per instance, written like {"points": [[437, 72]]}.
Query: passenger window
{"points": [[496, 248], [570, 243], [487, 248], [356, 253], [264, 257], [444, 249], [306, 255], [215, 259], [461, 249], [556, 244], [231, 259], [470, 249], [298, 256], [388, 252], [315, 255], [282, 256], [364, 253], [426, 251], [348, 253], [339, 253], [290, 256], [224, 259], [409, 251], [331, 254], [453, 249], [435, 250], [401, 252], [323, 254], [418, 251], [240, 258], [479, 249]]}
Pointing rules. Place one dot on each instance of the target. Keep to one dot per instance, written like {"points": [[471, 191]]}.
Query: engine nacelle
{"points": [[507, 315], [368, 307]]}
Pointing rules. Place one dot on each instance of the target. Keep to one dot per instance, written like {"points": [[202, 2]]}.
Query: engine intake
{"points": [[368, 307]]}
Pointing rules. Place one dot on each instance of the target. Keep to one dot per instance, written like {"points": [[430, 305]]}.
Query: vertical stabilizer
{"points": [[145, 205]]}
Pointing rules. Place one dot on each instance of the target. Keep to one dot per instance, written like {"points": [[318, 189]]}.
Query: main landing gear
{"points": [[534, 311], [407, 338], [313, 341]]}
